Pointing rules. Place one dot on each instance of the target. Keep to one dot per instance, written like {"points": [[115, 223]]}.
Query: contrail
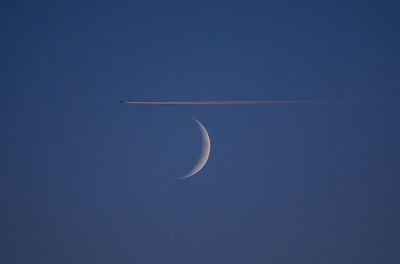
{"points": [[236, 102]]}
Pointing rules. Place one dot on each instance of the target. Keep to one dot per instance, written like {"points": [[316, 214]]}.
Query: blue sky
{"points": [[85, 179]]}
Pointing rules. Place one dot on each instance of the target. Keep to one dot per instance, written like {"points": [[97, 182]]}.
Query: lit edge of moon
{"points": [[205, 151]]}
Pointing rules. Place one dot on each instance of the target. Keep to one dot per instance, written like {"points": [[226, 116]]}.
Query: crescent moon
{"points": [[205, 152]]}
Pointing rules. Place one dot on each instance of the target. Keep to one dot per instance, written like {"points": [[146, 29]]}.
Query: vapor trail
{"points": [[235, 102]]}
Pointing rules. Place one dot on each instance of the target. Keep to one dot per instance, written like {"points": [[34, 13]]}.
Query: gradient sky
{"points": [[85, 179]]}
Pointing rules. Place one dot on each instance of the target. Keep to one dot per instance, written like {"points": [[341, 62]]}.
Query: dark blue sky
{"points": [[85, 179]]}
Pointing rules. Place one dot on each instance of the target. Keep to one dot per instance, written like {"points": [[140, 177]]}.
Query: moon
{"points": [[205, 152]]}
